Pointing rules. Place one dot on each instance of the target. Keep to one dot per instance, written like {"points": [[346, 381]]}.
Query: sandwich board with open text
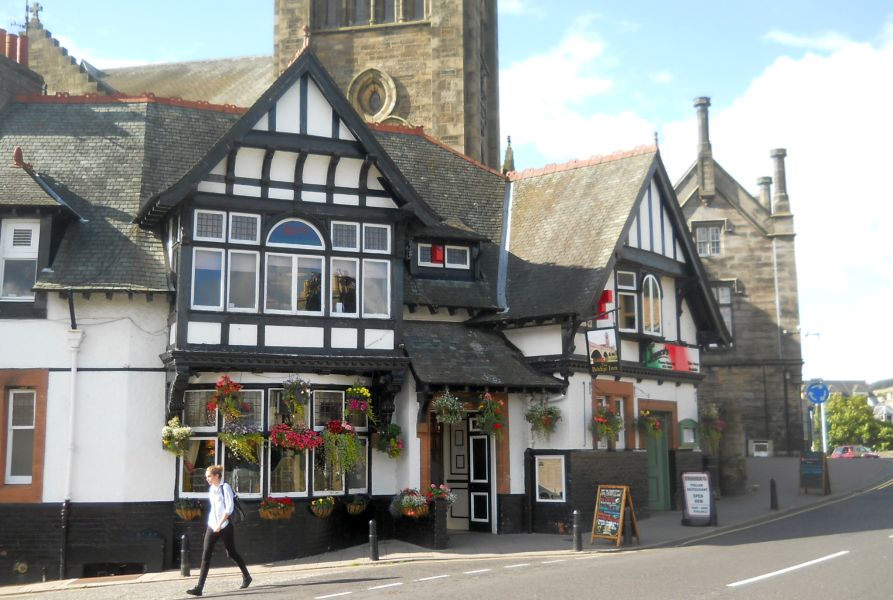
{"points": [[610, 516]]}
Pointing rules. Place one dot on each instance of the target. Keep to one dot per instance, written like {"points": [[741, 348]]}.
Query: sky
{"points": [[582, 78]]}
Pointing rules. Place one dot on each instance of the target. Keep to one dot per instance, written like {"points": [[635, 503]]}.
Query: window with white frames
{"points": [[457, 257], [242, 281], [549, 475], [345, 236], [627, 316], [708, 238], [207, 278], [376, 288], [327, 406], [430, 255], [20, 436], [723, 294], [210, 226], [651, 305], [294, 284], [287, 468], [376, 238], [18, 259], [344, 287], [244, 228]]}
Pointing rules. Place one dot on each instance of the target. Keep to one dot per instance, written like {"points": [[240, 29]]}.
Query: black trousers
{"points": [[228, 535]]}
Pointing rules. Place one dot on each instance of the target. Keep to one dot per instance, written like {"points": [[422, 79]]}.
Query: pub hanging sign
{"points": [[604, 354]]}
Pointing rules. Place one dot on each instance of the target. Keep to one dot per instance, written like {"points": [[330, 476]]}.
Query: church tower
{"points": [[412, 62]]}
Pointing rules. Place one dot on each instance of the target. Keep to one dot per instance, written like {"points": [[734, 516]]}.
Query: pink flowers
{"points": [[290, 438]]}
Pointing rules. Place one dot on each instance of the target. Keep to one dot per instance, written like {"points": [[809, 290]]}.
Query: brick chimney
{"points": [[706, 170], [12, 47], [23, 50], [780, 202], [764, 183]]}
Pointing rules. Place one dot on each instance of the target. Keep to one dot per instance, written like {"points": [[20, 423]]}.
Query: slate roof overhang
{"points": [[154, 210], [21, 187], [453, 354], [223, 360]]}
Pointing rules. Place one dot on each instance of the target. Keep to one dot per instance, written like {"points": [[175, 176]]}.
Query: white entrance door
{"points": [[456, 472]]}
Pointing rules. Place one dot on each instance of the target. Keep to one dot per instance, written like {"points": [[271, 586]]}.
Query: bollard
{"points": [[627, 528], [184, 556], [373, 540], [773, 495], [714, 518], [578, 540]]}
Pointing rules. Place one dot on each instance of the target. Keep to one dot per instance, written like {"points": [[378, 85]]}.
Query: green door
{"points": [[658, 466]]}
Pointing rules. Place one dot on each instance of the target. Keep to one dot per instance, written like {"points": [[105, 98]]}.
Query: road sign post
{"points": [[818, 393]]}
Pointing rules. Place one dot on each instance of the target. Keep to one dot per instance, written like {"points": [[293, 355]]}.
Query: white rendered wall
{"points": [[668, 308], [688, 331], [536, 341]]}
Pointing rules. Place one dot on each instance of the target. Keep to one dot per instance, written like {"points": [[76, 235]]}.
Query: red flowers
{"points": [[292, 438], [339, 426]]}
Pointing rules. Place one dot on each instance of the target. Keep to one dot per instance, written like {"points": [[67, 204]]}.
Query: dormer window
{"points": [[18, 259], [441, 255]]}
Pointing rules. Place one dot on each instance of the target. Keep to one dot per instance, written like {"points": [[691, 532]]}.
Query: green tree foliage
{"points": [[851, 421]]}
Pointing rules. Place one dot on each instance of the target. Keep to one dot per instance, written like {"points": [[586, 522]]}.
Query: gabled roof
{"points": [[456, 355], [306, 63], [567, 223], [239, 81], [103, 159]]}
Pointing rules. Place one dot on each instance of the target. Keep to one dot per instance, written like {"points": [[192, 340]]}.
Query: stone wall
{"points": [[16, 79], [60, 71]]}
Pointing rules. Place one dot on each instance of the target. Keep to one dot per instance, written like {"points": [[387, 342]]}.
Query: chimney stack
{"points": [[3, 42], [706, 171], [23, 50], [780, 203], [12, 44], [764, 183]]}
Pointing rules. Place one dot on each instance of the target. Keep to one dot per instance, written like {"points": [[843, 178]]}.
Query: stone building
{"points": [[747, 245]]}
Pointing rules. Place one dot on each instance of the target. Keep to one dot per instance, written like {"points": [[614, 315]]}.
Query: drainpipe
{"points": [[75, 337]]}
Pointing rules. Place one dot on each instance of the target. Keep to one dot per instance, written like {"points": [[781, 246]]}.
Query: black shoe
{"points": [[194, 592], [246, 581]]}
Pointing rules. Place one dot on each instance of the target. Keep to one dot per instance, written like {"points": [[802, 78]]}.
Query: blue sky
{"points": [[580, 78]]}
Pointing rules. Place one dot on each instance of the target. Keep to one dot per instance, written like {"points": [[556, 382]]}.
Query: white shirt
{"points": [[221, 497]]}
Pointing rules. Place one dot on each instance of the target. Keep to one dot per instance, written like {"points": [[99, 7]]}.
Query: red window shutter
{"points": [[604, 300], [437, 254]]}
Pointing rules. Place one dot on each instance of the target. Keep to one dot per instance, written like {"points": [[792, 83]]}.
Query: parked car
{"points": [[853, 452]]}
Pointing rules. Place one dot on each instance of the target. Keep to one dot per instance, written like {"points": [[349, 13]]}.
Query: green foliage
{"points": [[851, 421]]}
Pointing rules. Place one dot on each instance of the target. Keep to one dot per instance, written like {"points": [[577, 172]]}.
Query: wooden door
{"points": [[455, 440], [658, 466]]}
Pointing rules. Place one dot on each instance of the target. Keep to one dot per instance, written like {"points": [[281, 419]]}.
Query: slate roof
{"points": [[19, 187], [456, 355], [476, 295], [460, 190], [238, 81], [103, 159], [566, 224]]}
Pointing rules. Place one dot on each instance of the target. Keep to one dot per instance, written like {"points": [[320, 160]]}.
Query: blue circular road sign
{"points": [[817, 393]]}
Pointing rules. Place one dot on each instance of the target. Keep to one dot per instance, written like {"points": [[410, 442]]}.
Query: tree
{"points": [[851, 421]]}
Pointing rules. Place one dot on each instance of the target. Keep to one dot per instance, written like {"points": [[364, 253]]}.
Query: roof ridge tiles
{"points": [[420, 132], [581, 163], [145, 98]]}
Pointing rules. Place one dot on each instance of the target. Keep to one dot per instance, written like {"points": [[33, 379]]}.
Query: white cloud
{"points": [[662, 77], [543, 100], [830, 112], [826, 41]]}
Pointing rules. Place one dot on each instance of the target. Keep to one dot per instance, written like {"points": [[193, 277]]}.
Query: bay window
{"points": [[626, 298], [243, 281], [376, 288], [344, 286]]}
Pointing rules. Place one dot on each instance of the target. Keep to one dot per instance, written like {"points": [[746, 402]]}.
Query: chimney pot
{"points": [[12, 42], [780, 202], [23, 50], [764, 183], [706, 172]]}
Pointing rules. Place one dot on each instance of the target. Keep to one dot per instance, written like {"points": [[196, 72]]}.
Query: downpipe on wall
{"points": [[75, 338]]}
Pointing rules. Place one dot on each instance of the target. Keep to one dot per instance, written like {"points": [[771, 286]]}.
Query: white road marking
{"points": [[516, 566], [430, 578], [387, 585], [789, 569], [477, 571], [552, 562], [585, 557], [332, 595]]}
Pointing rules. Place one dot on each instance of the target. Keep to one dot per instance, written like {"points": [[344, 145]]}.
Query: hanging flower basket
{"points": [[188, 510], [175, 437], [242, 440], [440, 492], [417, 512], [295, 437], [357, 504], [388, 440], [448, 408], [296, 393], [323, 507], [490, 415], [543, 418], [341, 447], [649, 423], [227, 399], [358, 401], [410, 502], [606, 423], [276, 509]]}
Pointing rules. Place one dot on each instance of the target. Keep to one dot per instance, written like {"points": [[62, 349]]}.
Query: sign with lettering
{"points": [[696, 493], [613, 511], [672, 357], [814, 472], [604, 356]]}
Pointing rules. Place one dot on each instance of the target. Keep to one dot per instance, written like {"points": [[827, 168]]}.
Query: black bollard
{"points": [[578, 540], [773, 495], [184, 556], [373, 540]]}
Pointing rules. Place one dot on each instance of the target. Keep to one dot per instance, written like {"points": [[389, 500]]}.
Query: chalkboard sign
{"points": [[608, 519], [814, 472]]}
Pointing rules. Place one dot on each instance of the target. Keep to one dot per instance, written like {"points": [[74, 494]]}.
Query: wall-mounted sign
{"points": [[604, 355], [672, 357]]}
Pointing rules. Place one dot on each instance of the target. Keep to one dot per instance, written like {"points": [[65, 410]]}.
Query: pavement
{"points": [[661, 529]]}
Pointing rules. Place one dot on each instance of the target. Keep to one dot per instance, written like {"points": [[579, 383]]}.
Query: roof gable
{"points": [[301, 140]]}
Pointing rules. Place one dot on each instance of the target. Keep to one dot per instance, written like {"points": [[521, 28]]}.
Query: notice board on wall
{"points": [[609, 517]]}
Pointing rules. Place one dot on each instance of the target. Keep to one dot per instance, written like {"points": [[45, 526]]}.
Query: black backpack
{"points": [[238, 514]]}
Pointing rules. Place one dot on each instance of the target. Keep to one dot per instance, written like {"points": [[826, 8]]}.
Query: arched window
{"points": [[294, 233], [294, 283], [651, 311]]}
